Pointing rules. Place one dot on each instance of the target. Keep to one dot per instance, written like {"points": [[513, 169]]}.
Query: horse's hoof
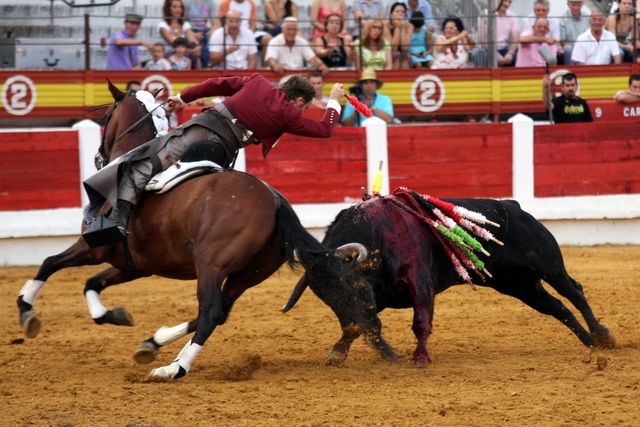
{"points": [[336, 359], [121, 317], [146, 353], [173, 371], [422, 361], [605, 340], [30, 324]]}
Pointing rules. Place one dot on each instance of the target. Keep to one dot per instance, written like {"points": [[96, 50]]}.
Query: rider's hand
{"points": [[173, 104], [337, 92]]}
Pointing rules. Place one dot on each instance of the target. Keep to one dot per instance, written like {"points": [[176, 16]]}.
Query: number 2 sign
{"points": [[19, 95], [427, 93]]}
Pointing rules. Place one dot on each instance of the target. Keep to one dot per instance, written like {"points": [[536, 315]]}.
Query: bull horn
{"points": [[296, 293], [349, 248]]}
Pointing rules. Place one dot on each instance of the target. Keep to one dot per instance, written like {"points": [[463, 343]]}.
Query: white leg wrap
{"points": [[96, 308], [186, 356], [166, 335], [30, 290]]}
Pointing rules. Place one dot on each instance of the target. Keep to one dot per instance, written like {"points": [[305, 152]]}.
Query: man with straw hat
{"points": [[366, 91]]}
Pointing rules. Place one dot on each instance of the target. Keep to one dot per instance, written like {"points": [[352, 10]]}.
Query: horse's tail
{"points": [[294, 237]]}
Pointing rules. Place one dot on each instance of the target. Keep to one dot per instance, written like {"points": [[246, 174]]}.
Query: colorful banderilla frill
{"points": [[359, 106]]}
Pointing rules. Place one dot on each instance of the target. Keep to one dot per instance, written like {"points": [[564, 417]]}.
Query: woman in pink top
{"points": [[506, 34], [320, 11]]}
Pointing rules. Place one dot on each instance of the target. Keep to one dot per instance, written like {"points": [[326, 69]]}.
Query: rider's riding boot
{"points": [[110, 229]]}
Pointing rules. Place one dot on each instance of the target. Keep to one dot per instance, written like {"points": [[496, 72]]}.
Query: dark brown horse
{"points": [[225, 228]]}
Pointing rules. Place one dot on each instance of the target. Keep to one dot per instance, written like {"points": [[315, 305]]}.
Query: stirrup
{"points": [[103, 232]]}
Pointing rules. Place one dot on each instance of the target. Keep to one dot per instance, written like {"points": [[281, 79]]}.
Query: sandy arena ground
{"points": [[496, 361]]}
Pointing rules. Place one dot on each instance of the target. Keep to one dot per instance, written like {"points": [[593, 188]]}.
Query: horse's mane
{"points": [[98, 113]]}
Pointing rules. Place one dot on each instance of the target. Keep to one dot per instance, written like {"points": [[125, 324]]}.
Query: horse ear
{"points": [[115, 92]]}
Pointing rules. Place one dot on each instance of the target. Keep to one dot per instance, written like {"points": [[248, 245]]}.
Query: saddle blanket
{"points": [[179, 172]]}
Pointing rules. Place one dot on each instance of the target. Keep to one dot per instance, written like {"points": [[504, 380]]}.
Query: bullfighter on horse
{"points": [[254, 112]]}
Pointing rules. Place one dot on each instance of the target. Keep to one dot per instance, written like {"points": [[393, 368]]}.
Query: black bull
{"points": [[405, 266]]}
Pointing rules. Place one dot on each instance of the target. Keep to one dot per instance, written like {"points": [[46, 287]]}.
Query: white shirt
{"points": [[290, 58], [589, 51], [239, 59], [167, 46], [245, 9]]}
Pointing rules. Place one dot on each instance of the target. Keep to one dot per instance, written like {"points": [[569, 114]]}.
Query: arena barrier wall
{"points": [[581, 182]]}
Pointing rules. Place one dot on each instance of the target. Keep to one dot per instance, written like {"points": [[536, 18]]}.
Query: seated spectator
{"points": [[541, 10], [202, 15], [173, 26], [233, 45], [507, 35], [288, 51], [596, 46], [574, 22], [317, 80], [372, 50], [451, 50], [568, 107], [275, 11], [631, 95], [366, 91], [424, 7], [420, 49], [179, 61], [398, 32], [530, 42], [320, 10], [621, 24], [122, 53], [249, 15], [158, 61], [332, 49], [363, 10]]}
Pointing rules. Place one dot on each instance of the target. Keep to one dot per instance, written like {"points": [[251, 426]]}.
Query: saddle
{"points": [[178, 173]]}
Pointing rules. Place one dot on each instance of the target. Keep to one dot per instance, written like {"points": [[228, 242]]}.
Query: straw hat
{"points": [[369, 74]]}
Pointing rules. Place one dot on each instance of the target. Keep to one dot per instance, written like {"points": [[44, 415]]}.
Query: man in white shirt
{"points": [[288, 51], [596, 46], [233, 47]]}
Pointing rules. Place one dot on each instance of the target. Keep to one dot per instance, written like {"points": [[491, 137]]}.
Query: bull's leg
{"points": [[76, 255], [423, 300], [341, 349], [96, 284]]}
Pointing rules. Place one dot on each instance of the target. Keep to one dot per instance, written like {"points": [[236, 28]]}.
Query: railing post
{"points": [[88, 143], [377, 153], [522, 145]]}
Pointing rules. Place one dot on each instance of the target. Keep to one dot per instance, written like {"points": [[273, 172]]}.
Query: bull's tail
{"points": [[293, 237]]}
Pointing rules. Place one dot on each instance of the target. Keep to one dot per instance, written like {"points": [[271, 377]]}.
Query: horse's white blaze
{"points": [[96, 308], [166, 335], [30, 290]]}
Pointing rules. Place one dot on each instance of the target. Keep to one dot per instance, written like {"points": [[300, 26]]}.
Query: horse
{"points": [[224, 228]]}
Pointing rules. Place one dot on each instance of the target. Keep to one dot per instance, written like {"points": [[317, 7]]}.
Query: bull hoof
{"points": [[173, 371], [336, 359], [121, 317], [30, 324], [146, 353]]}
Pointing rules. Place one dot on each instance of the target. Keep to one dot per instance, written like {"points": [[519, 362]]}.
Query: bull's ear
{"points": [[352, 250]]}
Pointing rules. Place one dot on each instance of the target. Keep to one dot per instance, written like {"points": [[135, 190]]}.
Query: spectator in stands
{"points": [[631, 95], [249, 15], [238, 49], [531, 41], [133, 86], [421, 45], [317, 80], [288, 51], [179, 61], [158, 61], [366, 90], [333, 49], [275, 11], [596, 46], [541, 10], [398, 31], [202, 15], [372, 50], [320, 10], [507, 34], [621, 24], [574, 22], [173, 26], [424, 7], [122, 53], [364, 10], [568, 107], [451, 50]]}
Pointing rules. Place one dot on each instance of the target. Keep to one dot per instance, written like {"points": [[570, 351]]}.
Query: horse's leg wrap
{"points": [[28, 319], [180, 367], [166, 335], [30, 291]]}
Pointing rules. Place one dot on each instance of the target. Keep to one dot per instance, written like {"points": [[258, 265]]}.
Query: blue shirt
{"points": [[425, 8], [121, 57], [381, 102]]}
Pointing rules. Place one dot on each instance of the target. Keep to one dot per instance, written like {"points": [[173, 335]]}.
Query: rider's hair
{"points": [[298, 86]]}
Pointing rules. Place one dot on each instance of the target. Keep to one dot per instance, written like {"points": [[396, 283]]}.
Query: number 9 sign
{"points": [[427, 93], [19, 95]]}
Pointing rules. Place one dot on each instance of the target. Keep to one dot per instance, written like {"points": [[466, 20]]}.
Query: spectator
{"points": [[373, 51], [568, 107], [178, 61], [317, 80], [332, 49], [158, 61], [574, 22], [530, 41], [541, 10], [507, 35], [288, 51], [233, 45], [596, 46], [424, 7], [398, 31], [364, 10], [366, 90], [173, 26], [420, 49], [275, 11], [123, 46], [631, 95], [249, 15], [451, 50], [133, 86], [320, 10], [621, 24], [202, 15]]}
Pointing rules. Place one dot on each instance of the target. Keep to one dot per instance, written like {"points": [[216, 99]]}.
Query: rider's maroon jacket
{"points": [[262, 108]]}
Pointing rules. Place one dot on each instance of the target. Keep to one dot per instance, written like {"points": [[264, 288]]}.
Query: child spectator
{"points": [[420, 49], [178, 60], [159, 62]]}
